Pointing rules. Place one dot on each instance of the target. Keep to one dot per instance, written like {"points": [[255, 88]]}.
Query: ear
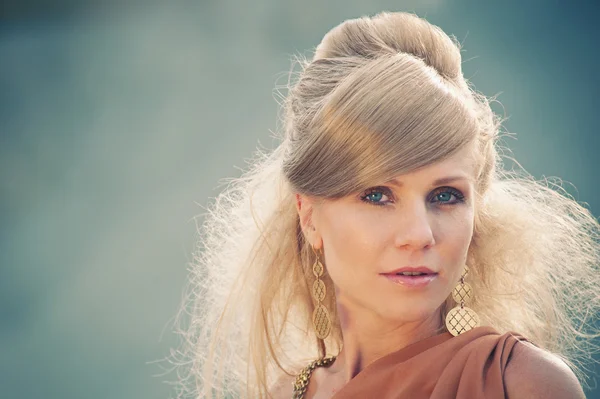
{"points": [[305, 206]]}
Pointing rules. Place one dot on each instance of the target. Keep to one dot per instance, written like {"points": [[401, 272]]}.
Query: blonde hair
{"points": [[382, 96]]}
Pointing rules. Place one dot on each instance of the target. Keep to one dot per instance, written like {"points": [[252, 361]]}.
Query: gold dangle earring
{"points": [[320, 318], [461, 318]]}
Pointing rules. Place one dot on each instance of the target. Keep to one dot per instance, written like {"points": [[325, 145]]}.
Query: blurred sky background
{"points": [[118, 121]]}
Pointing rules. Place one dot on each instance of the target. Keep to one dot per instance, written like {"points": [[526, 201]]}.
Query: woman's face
{"points": [[424, 218]]}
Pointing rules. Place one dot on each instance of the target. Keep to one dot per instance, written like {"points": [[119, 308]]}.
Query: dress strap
{"points": [[302, 380]]}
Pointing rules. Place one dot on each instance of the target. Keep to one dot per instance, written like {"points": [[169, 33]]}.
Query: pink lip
{"points": [[411, 281], [421, 269]]}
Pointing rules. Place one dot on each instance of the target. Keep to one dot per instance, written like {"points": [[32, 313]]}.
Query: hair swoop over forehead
{"points": [[376, 102]]}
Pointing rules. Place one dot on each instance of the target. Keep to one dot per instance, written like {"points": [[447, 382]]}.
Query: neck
{"points": [[368, 337]]}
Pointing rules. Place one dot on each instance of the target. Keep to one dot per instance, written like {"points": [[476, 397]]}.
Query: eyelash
{"points": [[460, 198]]}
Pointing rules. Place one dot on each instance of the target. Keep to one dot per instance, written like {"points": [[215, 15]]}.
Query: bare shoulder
{"points": [[282, 389], [535, 373]]}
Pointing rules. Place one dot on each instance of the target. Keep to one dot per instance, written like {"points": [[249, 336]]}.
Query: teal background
{"points": [[117, 122]]}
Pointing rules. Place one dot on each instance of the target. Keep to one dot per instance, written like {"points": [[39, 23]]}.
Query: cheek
{"points": [[352, 241], [453, 233]]}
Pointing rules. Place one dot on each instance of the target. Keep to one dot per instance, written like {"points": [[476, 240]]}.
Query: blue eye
{"points": [[444, 195], [376, 196]]}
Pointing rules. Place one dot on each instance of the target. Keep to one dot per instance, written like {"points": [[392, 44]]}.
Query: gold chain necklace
{"points": [[303, 378]]}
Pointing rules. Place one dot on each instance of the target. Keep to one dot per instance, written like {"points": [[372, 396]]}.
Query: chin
{"points": [[408, 313]]}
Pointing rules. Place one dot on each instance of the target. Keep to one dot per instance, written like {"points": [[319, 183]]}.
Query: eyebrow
{"points": [[440, 181]]}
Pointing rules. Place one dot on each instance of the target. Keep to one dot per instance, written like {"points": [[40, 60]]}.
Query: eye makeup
{"points": [[441, 196]]}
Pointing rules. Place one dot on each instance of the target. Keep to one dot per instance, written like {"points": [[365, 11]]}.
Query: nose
{"points": [[414, 228]]}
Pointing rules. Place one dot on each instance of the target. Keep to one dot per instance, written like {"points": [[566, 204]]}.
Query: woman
{"points": [[380, 251]]}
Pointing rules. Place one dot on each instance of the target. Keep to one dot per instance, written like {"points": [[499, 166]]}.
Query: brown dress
{"points": [[468, 366]]}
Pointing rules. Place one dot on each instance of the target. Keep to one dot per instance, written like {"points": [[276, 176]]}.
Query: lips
{"points": [[425, 277], [413, 282], [416, 269]]}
